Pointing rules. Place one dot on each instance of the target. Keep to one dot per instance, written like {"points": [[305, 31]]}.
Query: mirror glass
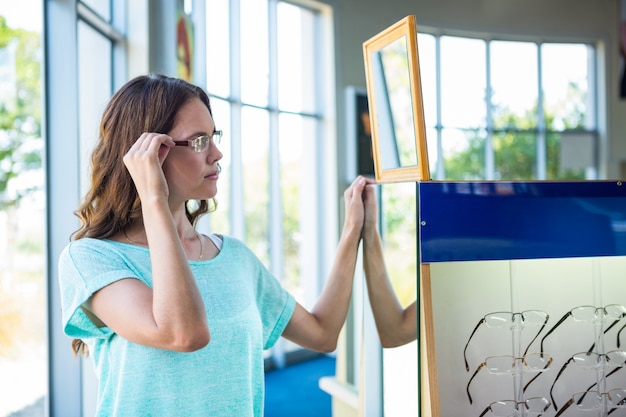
{"points": [[395, 101]]}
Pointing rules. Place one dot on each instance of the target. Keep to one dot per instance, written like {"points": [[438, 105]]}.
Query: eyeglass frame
{"points": [[215, 137], [572, 400], [484, 320], [569, 313], [522, 358], [517, 403]]}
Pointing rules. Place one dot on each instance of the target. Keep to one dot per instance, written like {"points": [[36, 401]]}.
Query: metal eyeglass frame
{"points": [[202, 142], [522, 315], [545, 404], [513, 359]]}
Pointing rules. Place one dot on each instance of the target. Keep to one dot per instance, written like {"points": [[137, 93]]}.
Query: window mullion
{"points": [[541, 123], [441, 166], [236, 206], [489, 152], [275, 231]]}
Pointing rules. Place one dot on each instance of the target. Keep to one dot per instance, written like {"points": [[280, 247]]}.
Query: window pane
{"points": [[464, 154], [515, 156], [296, 88], [218, 48], [428, 75], [297, 141], [23, 319], [256, 192], [570, 155], [254, 52], [565, 85], [219, 219], [463, 82], [291, 166], [514, 74], [94, 82]]}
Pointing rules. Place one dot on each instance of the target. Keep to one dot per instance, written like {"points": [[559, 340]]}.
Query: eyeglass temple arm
{"points": [[555, 379], [565, 407], [561, 320], [536, 336], [485, 411], [470, 381], [481, 321], [619, 333]]}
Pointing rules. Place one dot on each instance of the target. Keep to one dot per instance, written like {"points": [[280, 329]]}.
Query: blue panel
{"points": [[462, 221]]}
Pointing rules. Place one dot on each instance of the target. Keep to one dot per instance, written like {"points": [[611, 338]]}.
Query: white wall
{"points": [[591, 20]]}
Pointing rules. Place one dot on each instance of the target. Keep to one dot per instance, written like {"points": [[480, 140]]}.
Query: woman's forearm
{"points": [[178, 309]]}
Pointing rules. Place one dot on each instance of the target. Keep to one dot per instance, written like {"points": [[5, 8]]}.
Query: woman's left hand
{"points": [[354, 198]]}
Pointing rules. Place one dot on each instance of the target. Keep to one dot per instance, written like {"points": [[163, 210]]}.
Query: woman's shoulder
{"points": [[87, 246], [234, 247], [91, 243]]}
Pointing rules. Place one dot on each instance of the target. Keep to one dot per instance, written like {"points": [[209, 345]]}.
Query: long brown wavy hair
{"points": [[146, 103]]}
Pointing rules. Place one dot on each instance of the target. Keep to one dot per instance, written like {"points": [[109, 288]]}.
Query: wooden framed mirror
{"points": [[395, 103]]}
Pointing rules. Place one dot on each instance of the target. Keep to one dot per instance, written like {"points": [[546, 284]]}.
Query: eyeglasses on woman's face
{"points": [[201, 142]]}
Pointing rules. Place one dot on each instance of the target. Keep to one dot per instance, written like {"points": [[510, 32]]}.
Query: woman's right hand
{"points": [[144, 162]]}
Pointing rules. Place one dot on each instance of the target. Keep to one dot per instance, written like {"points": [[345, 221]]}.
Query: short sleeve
{"points": [[276, 307], [84, 267]]}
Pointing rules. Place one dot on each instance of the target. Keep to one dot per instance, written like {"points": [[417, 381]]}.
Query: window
{"points": [[509, 110], [267, 93], [23, 353]]}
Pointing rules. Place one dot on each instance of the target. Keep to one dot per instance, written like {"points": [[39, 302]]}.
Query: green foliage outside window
{"points": [[20, 108]]}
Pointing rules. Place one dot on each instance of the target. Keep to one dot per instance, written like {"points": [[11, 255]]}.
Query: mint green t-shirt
{"points": [[247, 311]]}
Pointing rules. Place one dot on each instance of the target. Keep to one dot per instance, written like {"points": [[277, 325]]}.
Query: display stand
{"points": [[522, 295]]}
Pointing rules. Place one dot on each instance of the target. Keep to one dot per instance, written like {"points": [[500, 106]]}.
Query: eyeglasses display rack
{"points": [[522, 298]]}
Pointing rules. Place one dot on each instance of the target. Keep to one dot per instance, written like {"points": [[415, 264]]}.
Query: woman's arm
{"points": [[319, 329], [396, 326]]}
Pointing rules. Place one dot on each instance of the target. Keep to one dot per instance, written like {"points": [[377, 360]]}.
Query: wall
{"points": [[591, 20]]}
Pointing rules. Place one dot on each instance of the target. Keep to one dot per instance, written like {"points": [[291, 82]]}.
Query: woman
{"points": [[174, 320]]}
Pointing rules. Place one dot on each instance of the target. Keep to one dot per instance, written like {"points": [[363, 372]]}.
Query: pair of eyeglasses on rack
{"points": [[614, 359], [201, 142], [590, 314], [507, 365], [534, 406], [594, 400], [507, 319]]}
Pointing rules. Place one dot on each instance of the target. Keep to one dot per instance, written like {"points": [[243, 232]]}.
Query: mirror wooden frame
{"points": [[404, 28]]}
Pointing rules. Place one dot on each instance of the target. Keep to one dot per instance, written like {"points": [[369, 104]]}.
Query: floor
{"points": [[294, 390]]}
